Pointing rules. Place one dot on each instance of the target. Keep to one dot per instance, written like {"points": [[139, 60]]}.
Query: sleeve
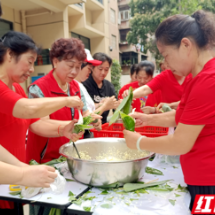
{"points": [[83, 100], [35, 92], [8, 99], [200, 106], [157, 82]]}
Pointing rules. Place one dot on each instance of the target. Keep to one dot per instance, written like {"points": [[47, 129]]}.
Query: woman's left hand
{"points": [[131, 138], [67, 131]]}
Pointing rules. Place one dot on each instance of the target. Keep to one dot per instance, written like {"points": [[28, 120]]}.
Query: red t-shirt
{"points": [[12, 130], [150, 100], [197, 107], [171, 90]]}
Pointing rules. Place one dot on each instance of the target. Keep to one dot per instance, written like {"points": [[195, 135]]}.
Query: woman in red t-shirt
{"points": [[18, 53], [144, 74], [185, 43]]}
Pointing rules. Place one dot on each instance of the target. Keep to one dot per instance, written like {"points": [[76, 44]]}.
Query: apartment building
{"points": [[92, 21], [129, 54]]}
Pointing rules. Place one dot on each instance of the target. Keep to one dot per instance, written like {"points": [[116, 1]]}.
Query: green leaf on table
{"points": [[175, 167], [87, 209], [89, 198], [172, 201], [78, 202], [136, 186], [162, 188], [49, 197], [153, 171], [15, 193], [182, 189], [89, 191], [127, 203], [72, 198], [133, 199], [177, 195], [141, 182], [110, 199], [108, 206], [140, 191], [71, 193], [67, 179], [104, 192]]}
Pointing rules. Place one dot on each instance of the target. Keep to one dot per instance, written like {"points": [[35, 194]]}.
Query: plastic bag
{"points": [[57, 187]]}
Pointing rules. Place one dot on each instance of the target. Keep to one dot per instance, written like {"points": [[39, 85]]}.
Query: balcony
{"points": [[94, 5], [124, 25], [123, 3]]}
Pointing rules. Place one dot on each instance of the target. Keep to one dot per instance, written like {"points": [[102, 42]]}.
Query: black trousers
{"points": [[195, 190], [18, 210]]}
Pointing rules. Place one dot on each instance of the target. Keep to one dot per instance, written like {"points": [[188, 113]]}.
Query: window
{"points": [[125, 15], [113, 41], [5, 26], [85, 40], [43, 58], [101, 1], [112, 16]]}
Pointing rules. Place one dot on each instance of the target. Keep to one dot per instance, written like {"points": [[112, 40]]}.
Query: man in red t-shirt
{"points": [[144, 73]]}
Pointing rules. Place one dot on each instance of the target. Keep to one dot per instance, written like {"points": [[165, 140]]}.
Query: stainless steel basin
{"points": [[104, 173]]}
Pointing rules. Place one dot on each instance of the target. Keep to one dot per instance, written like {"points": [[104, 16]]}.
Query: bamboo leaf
{"points": [[136, 186]]}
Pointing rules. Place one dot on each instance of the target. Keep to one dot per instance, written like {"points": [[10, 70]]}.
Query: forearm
{"points": [[162, 119], [10, 174], [37, 108], [48, 128], [163, 145], [101, 109], [56, 122], [142, 91], [174, 105], [7, 157], [181, 142]]}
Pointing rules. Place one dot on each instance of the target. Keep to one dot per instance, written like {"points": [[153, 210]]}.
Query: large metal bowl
{"points": [[101, 173]]}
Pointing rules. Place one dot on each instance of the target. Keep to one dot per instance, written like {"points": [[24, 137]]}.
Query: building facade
{"points": [[129, 54], [45, 21]]}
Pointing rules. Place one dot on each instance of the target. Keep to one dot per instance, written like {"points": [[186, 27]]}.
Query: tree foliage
{"points": [[148, 14], [116, 72]]}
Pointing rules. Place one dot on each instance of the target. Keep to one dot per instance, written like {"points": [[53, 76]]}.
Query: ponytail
{"points": [[200, 27]]}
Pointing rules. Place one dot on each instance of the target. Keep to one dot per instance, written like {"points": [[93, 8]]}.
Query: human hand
{"points": [[37, 176], [125, 93], [149, 110], [74, 102], [141, 119], [98, 125], [131, 138], [110, 103], [68, 129]]}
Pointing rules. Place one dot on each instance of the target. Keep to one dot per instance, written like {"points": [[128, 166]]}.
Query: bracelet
{"points": [[58, 130], [138, 143]]}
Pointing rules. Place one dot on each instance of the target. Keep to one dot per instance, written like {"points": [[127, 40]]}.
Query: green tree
{"points": [[148, 14], [116, 72]]}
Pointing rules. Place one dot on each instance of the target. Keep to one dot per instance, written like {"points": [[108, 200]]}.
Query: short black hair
{"points": [[133, 69], [147, 66], [85, 64], [19, 43], [102, 57]]}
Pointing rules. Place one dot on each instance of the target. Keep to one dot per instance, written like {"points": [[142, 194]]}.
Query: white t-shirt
{"points": [[89, 102]]}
